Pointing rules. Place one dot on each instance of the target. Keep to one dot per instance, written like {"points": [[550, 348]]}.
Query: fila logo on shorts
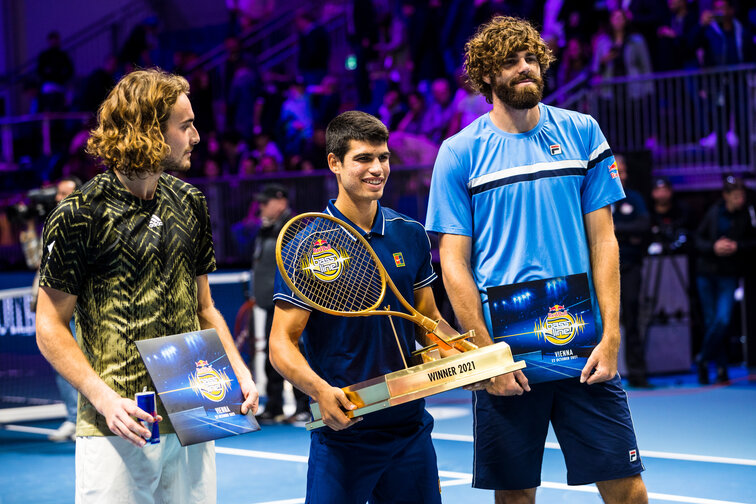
{"points": [[555, 149], [155, 222], [633, 455]]}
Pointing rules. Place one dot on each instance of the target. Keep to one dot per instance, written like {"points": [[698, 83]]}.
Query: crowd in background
{"points": [[402, 63], [405, 68]]}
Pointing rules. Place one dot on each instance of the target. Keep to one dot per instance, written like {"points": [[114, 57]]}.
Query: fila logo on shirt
{"points": [[633, 455], [155, 222], [555, 149]]}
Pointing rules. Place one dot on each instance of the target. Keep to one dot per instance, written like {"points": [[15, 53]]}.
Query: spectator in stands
{"points": [[392, 109], [678, 37], [326, 100], [670, 222], [315, 151], [467, 104], [296, 119], [725, 242], [202, 97], [724, 41], [574, 62], [268, 104], [393, 52], [98, 84], [424, 21], [647, 16], [440, 112], [413, 121], [362, 35], [314, 45], [138, 48], [245, 14], [263, 145], [55, 69], [620, 53], [631, 223], [242, 99]]}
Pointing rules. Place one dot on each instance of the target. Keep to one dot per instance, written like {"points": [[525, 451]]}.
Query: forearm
{"points": [[292, 365], [57, 345], [465, 298], [606, 281], [210, 318]]}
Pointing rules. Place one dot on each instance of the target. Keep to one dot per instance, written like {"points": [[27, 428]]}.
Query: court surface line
{"points": [[645, 453], [459, 479]]}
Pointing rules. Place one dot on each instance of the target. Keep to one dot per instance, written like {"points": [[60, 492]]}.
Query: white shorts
{"points": [[111, 470]]}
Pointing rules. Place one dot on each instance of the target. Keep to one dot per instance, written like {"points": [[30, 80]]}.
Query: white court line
{"points": [[287, 501], [644, 453], [458, 479], [260, 454], [227, 278], [29, 430]]}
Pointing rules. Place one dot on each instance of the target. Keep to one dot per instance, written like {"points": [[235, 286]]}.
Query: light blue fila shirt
{"points": [[347, 350], [522, 197]]}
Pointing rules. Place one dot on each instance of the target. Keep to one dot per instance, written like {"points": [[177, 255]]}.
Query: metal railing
{"points": [[231, 205], [695, 124], [30, 122]]}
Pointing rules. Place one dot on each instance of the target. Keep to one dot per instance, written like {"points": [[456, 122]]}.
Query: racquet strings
{"points": [[329, 266]]}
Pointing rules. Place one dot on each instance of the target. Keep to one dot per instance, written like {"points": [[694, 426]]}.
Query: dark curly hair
{"points": [[496, 40], [132, 120]]}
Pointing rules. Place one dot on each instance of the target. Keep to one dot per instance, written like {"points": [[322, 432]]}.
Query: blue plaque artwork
{"points": [[197, 385], [547, 323]]}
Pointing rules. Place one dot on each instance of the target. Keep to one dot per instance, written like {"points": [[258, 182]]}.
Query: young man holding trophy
{"points": [[386, 456]]}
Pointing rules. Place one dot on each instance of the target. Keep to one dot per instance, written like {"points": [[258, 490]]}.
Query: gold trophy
{"points": [[331, 267]]}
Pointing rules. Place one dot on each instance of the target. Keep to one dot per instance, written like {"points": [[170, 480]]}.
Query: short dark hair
{"points": [[71, 178], [353, 125]]}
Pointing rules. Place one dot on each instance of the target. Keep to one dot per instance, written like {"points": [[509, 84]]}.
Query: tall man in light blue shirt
{"points": [[522, 194]]}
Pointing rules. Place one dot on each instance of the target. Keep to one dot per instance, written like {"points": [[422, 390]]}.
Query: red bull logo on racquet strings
{"points": [[325, 263]]}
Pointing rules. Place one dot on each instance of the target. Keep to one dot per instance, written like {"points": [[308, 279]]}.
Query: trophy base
{"points": [[425, 380]]}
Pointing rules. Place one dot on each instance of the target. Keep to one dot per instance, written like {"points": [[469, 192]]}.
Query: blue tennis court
{"points": [[697, 443]]}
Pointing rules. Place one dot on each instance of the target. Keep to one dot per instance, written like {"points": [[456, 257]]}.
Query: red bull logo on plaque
{"points": [[559, 326], [208, 382], [325, 263]]}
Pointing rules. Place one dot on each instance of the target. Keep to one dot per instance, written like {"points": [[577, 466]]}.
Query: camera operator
{"points": [[670, 222], [29, 217]]}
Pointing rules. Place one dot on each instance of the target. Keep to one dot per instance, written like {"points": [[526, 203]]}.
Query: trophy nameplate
{"points": [[425, 379]]}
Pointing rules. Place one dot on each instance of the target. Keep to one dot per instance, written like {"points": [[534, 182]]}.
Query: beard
{"points": [[520, 99], [175, 165]]}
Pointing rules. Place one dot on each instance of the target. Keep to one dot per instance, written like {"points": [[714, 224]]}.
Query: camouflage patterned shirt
{"points": [[132, 264]]}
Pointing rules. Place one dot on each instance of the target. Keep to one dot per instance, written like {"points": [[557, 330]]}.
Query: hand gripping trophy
{"points": [[331, 267]]}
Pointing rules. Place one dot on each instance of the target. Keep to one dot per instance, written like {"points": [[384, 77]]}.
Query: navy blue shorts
{"points": [[380, 467], [591, 422]]}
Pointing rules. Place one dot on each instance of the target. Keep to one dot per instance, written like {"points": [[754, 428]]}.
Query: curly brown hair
{"points": [[132, 120], [494, 41]]}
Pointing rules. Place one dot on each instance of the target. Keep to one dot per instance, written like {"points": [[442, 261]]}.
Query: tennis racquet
{"points": [[331, 267]]}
